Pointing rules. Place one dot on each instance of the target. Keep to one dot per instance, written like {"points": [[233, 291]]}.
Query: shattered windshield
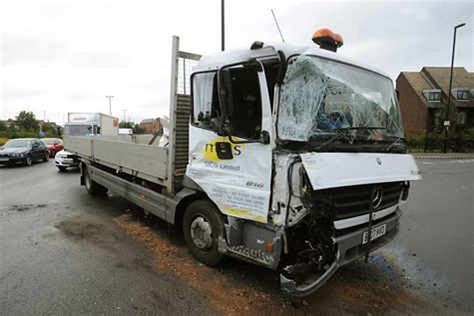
{"points": [[320, 97]]}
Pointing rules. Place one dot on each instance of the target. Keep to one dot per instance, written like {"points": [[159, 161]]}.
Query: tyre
{"points": [[92, 187], [202, 226], [28, 161], [46, 157], [62, 169]]}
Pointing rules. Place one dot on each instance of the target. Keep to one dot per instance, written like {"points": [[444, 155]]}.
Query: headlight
{"points": [[17, 155]]}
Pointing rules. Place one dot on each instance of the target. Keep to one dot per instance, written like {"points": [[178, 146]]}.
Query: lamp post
{"points": [[447, 116], [110, 103], [222, 25]]}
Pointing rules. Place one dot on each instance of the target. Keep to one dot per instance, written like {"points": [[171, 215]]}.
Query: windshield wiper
{"points": [[339, 135], [398, 141], [357, 128]]}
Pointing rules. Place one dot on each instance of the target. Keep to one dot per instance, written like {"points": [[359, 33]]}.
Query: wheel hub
{"points": [[201, 233]]}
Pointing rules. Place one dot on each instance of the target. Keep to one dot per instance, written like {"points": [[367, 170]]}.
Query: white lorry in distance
{"points": [[86, 123], [288, 157]]}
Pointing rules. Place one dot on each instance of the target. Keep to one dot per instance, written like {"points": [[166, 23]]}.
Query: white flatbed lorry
{"points": [[288, 157]]}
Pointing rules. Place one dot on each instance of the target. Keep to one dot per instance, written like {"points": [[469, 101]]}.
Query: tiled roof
{"points": [[461, 77], [147, 121], [419, 83], [438, 78]]}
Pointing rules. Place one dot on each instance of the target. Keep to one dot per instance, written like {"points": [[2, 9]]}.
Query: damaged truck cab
{"points": [[303, 153]]}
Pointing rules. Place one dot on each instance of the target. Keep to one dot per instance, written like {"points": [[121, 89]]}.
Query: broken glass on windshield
{"points": [[320, 96]]}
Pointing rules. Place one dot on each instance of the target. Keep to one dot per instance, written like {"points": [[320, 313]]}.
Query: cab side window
{"points": [[243, 102], [205, 100]]}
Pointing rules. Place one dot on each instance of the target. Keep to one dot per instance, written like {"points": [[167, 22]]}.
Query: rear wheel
{"points": [[202, 227], [93, 187], [46, 156]]}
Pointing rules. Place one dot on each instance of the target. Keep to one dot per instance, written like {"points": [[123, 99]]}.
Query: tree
{"points": [[50, 129], [27, 120], [124, 124], [3, 126], [138, 130]]}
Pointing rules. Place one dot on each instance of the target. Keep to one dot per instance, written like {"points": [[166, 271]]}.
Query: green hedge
{"points": [[434, 141], [18, 133]]}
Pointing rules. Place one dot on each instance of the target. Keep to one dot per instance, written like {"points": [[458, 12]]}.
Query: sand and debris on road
{"points": [[240, 288]]}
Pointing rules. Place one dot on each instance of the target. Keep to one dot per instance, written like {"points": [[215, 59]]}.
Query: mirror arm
{"points": [[264, 139], [236, 142]]}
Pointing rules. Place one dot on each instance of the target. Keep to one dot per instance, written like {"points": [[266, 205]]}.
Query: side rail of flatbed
{"points": [[139, 160]]}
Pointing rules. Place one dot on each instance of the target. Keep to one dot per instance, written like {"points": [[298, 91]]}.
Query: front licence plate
{"points": [[377, 232]]}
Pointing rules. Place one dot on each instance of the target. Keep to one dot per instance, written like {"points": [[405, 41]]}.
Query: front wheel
{"points": [[28, 161], [202, 227], [62, 169]]}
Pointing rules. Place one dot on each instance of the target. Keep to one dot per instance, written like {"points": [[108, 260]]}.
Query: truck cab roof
{"points": [[217, 60]]}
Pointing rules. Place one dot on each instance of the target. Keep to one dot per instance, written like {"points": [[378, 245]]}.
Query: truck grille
{"points": [[356, 200]]}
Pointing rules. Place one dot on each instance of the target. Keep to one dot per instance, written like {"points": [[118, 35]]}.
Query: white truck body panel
{"points": [[109, 125], [331, 170], [219, 59], [241, 186]]}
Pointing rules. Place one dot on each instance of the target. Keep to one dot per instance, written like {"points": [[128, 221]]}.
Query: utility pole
{"points": [[124, 115], [447, 122], [222, 26], [110, 103]]}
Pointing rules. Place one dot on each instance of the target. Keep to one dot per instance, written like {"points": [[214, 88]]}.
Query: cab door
{"points": [[230, 152]]}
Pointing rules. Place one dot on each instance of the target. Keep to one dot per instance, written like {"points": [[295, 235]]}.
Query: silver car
{"points": [[65, 159]]}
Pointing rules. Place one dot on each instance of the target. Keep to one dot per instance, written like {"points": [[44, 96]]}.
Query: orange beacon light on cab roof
{"points": [[326, 39]]}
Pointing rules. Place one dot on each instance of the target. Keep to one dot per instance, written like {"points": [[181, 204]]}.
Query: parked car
{"points": [[54, 145], [23, 151], [65, 159]]}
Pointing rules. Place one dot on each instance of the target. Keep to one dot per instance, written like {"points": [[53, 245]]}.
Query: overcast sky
{"points": [[65, 56]]}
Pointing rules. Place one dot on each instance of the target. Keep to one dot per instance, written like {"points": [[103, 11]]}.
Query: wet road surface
{"points": [[63, 251]]}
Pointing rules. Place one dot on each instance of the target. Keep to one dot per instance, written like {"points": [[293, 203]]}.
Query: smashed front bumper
{"points": [[66, 162], [349, 248]]}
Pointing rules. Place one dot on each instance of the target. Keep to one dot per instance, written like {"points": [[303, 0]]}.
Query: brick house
{"points": [[423, 98], [151, 126]]}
